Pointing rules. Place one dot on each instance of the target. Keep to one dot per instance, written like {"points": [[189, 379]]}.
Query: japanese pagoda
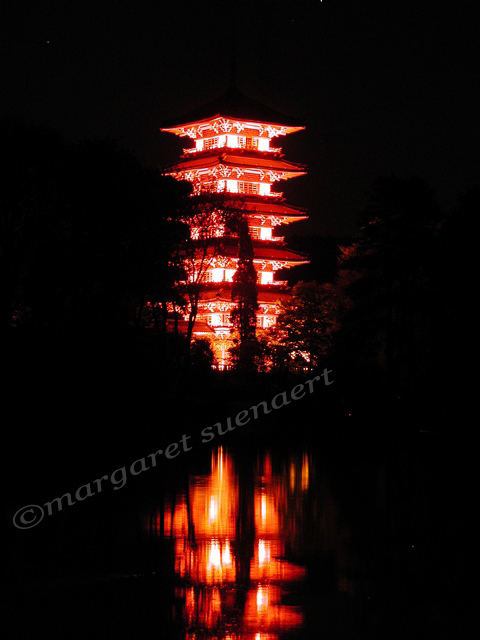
{"points": [[232, 154]]}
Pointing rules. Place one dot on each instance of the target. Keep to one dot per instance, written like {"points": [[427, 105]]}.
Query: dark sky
{"points": [[385, 87]]}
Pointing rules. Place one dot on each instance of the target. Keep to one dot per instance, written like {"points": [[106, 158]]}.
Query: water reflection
{"points": [[230, 530]]}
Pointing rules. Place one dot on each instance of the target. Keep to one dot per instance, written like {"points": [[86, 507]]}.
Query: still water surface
{"points": [[341, 539]]}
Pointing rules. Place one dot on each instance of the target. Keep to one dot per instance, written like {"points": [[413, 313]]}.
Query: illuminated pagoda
{"points": [[233, 154]]}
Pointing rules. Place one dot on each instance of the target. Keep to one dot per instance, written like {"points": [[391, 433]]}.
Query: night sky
{"points": [[384, 87]]}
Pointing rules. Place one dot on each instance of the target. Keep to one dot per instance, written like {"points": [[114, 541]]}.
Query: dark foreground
{"points": [[313, 521]]}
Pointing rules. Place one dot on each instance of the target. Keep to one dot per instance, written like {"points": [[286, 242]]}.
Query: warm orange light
{"points": [[263, 144], [214, 555], [229, 273], [213, 509], [216, 320], [263, 552], [292, 477], [217, 275], [206, 555], [265, 189], [305, 473], [262, 610], [233, 155], [266, 515], [262, 599], [232, 142], [232, 186], [226, 555]]}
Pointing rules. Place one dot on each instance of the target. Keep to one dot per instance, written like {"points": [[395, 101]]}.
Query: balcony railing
{"points": [[276, 284], [195, 150], [227, 284]]}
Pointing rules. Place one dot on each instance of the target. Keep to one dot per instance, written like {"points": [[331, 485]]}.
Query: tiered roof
{"points": [[269, 252], [260, 207], [218, 159], [233, 105]]}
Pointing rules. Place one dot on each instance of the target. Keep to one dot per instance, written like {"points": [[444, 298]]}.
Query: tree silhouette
{"points": [[244, 292], [306, 324], [385, 276], [208, 217], [244, 289], [87, 233]]}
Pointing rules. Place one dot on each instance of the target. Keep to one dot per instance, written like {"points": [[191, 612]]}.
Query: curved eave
{"points": [[286, 174], [288, 218], [223, 294], [179, 129], [255, 205], [269, 253], [230, 160]]}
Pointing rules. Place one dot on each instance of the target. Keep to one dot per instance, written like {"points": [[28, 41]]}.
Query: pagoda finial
{"points": [[232, 84]]}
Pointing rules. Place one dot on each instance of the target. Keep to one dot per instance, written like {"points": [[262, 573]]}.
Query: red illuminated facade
{"points": [[233, 152]]}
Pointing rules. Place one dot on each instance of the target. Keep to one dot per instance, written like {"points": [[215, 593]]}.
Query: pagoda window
{"points": [[229, 274], [218, 275], [250, 188], [232, 186], [263, 144], [265, 233], [232, 141], [247, 142], [206, 186], [255, 232], [199, 144], [264, 189], [219, 319], [266, 277], [210, 143]]}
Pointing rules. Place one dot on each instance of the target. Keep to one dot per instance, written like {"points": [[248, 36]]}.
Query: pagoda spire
{"points": [[233, 74]]}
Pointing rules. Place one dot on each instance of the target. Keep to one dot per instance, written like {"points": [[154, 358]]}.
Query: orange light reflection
{"points": [[211, 554]]}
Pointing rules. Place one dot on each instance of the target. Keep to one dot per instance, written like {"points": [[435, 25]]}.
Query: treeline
{"points": [[397, 318], [88, 236], [87, 233]]}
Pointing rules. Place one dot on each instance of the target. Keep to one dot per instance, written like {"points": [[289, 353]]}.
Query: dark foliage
{"points": [[244, 292], [87, 233]]}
